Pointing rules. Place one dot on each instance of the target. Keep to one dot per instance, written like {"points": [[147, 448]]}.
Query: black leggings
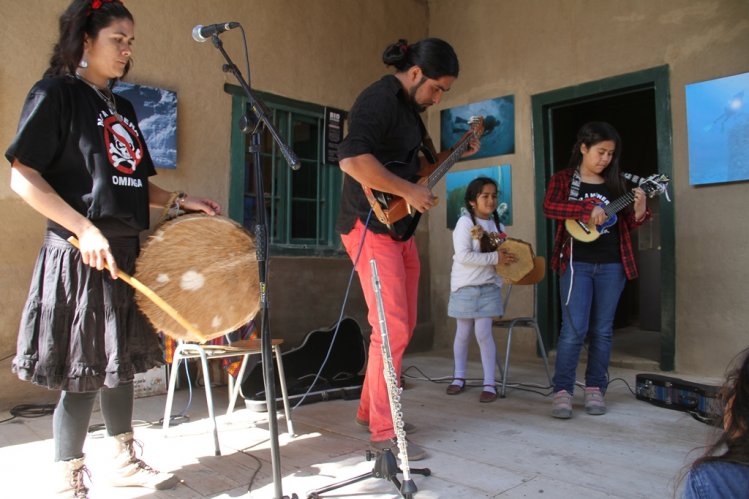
{"points": [[73, 414]]}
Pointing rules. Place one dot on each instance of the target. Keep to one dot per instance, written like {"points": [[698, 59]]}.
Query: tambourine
{"points": [[205, 268]]}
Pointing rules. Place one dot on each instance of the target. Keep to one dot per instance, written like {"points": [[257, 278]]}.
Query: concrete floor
{"points": [[511, 448]]}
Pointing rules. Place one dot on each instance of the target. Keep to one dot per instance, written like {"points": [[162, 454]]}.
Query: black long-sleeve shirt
{"points": [[383, 123]]}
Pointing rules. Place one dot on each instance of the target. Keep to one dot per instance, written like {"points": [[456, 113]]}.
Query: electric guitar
{"points": [[652, 186], [389, 208]]}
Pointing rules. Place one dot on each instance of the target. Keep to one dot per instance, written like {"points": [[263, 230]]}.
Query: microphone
{"points": [[202, 33]]}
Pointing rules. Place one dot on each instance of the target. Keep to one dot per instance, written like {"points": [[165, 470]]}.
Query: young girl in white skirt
{"points": [[475, 287]]}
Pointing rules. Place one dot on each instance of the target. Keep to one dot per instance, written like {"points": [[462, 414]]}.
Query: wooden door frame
{"points": [[657, 79]]}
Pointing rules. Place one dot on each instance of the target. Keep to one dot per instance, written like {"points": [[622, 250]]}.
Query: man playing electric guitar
{"points": [[384, 127], [390, 209]]}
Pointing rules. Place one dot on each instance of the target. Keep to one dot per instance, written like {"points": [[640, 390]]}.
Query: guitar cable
{"points": [[340, 316]]}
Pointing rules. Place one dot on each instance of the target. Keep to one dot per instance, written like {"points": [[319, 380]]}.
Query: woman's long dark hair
{"points": [[591, 134], [435, 57], [734, 397], [472, 193], [78, 20], [733, 443]]}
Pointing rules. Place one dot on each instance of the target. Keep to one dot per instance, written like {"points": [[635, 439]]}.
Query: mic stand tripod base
{"points": [[385, 467]]}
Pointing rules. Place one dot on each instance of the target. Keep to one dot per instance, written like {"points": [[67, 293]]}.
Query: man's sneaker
{"points": [[407, 427], [561, 405], [415, 453], [594, 403]]}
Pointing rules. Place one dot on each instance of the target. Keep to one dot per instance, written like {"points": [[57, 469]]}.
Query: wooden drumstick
{"points": [[151, 295]]}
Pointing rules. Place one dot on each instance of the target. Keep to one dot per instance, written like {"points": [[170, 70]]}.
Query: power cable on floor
{"points": [[30, 411], [477, 382], [254, 473]]}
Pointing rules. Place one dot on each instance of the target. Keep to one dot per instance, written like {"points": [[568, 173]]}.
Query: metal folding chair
{"points": [[510, 323], [243, 348]]}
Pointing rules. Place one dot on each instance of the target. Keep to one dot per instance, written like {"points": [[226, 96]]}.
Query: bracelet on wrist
{"points": [[179, 198], [172, 208]]}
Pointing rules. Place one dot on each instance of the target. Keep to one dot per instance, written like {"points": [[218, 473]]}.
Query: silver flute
{"points": [[394, 391]]}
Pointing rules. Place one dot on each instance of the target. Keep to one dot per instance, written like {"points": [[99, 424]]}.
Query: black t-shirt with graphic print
{"points": [[605, 249], [97, 162]]}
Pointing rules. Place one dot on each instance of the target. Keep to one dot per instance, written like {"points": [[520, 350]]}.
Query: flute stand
{"points": [[386, 468]]}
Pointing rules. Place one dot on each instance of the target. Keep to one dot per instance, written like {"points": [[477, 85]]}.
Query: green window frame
{"points": [[302, 205]]}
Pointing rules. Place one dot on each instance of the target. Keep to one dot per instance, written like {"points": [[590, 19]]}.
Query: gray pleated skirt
{"points": [[81, 329]]}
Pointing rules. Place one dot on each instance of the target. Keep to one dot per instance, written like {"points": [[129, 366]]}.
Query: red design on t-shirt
{"points": [[123, 144]]}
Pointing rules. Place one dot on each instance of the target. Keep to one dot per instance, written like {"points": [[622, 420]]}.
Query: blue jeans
{"points": [[596, 288]]}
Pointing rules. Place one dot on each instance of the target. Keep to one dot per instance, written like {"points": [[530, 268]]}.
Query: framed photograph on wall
{"points": [[456, 183], [718, 130], [499, 126], [156, 109]]}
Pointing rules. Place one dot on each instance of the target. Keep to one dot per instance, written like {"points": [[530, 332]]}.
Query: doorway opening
{"points": [[643, 326]]}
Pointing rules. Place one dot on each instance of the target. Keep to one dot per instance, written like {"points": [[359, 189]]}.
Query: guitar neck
{"points": [[448, 162], [619, 204]]}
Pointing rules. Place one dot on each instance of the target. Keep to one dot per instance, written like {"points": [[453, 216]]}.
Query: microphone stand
{"points": [[261, 248]]}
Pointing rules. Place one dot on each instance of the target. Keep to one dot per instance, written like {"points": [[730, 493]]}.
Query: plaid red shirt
{"points": [[558, 206]]}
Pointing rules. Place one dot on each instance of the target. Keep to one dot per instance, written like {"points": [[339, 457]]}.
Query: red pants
{"points": [[398, 267]]}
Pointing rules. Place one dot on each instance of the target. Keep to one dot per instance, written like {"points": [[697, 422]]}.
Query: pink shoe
{"points": [[594, 404], [561, 405]]}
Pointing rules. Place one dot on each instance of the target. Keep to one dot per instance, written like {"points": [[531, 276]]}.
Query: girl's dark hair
{"points": [[435, 57], [591, 134], [472, 193], [734, 397], [78, 20]]}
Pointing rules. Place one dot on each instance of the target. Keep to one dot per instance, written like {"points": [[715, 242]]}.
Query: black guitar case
{"points": [[339, 379]]}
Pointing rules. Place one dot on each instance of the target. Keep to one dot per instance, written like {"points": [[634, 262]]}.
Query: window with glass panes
{"points": [[301, 206]]}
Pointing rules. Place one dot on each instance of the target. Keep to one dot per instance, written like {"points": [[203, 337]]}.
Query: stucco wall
{"points": [[532, 46]]}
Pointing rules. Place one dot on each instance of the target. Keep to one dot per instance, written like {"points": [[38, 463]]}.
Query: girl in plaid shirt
{"points": [[592, 274]]}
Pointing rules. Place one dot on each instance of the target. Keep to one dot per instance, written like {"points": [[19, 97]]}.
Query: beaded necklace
{"points": [[107, 97]]}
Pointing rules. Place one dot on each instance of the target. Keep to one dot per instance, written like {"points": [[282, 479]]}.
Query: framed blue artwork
{"points": [[456, 183], [718, 130], [156, 109], [499, 126]]}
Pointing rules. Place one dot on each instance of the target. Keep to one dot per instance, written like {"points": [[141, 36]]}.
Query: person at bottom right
{"points": [[592, 274], [726, 475]]}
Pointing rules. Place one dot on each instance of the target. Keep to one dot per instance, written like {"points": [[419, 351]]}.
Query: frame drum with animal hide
{"points": [[523, 263], [204, 267]]}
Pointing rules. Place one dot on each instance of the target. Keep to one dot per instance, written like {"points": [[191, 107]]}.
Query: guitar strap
{"points": [[427, 146], [575, 186]]}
